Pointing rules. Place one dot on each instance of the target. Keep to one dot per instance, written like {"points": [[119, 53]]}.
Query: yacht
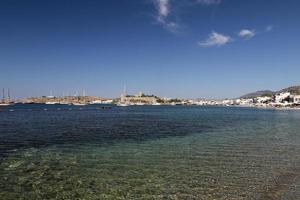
{"points": [[79, 104], [123, 104], [64, 103], [156, 104], [5, 102], [51, 103]]}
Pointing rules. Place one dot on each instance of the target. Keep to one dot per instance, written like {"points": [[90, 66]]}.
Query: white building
{"points": [[246, 102], [263, 99], [296, 99], [279, 98]]}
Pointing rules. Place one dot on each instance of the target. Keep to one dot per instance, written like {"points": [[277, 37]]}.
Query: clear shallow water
{"points": [[151, 152]]}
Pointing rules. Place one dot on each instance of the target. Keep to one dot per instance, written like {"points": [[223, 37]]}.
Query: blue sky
{"points": [[174, 48]]}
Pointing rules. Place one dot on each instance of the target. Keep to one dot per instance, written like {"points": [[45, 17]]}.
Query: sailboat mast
{"points": [[8, 94], [84, 96], [3, 95], [125, 91]]}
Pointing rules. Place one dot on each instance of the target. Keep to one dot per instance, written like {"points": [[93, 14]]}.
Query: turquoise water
{"points": [[148, 152]]}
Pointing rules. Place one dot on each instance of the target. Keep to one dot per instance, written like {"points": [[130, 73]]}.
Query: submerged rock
{"points": [[16, 164]]}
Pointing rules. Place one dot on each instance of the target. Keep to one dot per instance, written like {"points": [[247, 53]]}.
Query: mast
{"points": [[125, 91], [77, 94], [8, 94], [124, 94], [3, 95], [83, 96]]}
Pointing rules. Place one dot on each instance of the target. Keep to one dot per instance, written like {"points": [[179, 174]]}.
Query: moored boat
{"points": [[51, 103], [79, 104], [123, 104]]}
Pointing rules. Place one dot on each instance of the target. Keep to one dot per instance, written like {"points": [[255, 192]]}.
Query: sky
{"points": [[170, 48]]}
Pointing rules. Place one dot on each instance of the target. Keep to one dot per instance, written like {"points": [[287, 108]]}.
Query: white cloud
{"points": [[170, 26], [215, 39], [167, 16], [163, 7], [208, 2], [246, 33], [269, 28]]}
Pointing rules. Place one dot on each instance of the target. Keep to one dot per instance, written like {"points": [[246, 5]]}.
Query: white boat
{"points": [[156, 104], [123, 104], [97, 102], [5, 102], [79, 104], [177, 104], [139, 104], [64, 103], [51, 103]]}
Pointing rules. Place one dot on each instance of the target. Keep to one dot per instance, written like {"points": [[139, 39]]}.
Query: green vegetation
{"points": [[174, 100], [295, 90], [160, 101], [267, 94]]}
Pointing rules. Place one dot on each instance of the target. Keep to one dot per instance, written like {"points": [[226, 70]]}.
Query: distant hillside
{"points": [[295, 90], [258, 94]]}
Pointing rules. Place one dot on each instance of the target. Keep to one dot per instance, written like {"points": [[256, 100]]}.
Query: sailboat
{"points": [[51, 102], [52, 98], [80, 103], [4, 102], [122, 102]]}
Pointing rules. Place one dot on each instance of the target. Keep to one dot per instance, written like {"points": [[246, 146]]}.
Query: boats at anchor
{"points": [[6, 102]]}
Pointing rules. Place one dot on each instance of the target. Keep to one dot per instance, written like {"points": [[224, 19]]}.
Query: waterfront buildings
{"points": [[297, 99]]}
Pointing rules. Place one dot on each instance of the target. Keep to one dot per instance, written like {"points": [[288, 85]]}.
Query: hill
{"points": [[258, 94], [295, 90]]}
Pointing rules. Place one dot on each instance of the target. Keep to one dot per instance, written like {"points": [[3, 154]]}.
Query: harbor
{"points": [[288, 98]]}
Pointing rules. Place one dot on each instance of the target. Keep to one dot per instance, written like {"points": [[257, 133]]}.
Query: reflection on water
{"points": [[149, 153]]}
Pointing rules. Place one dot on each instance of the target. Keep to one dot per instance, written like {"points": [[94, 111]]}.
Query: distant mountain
{"points": [[295, 90], [258, 94]]}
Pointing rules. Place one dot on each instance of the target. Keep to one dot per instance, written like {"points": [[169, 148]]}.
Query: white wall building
{"points": [[263, 99], [279, 98], [297, 99]]}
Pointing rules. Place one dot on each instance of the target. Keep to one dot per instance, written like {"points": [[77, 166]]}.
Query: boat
{"points": [[176, 104], [51, 103], [4, 101], [96, 102], [156, 104], [123, 104], [139, 104], [65, 103], [79, 104]]}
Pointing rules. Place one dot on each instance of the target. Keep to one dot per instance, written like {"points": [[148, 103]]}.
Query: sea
{"points": [[148, 152]]}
